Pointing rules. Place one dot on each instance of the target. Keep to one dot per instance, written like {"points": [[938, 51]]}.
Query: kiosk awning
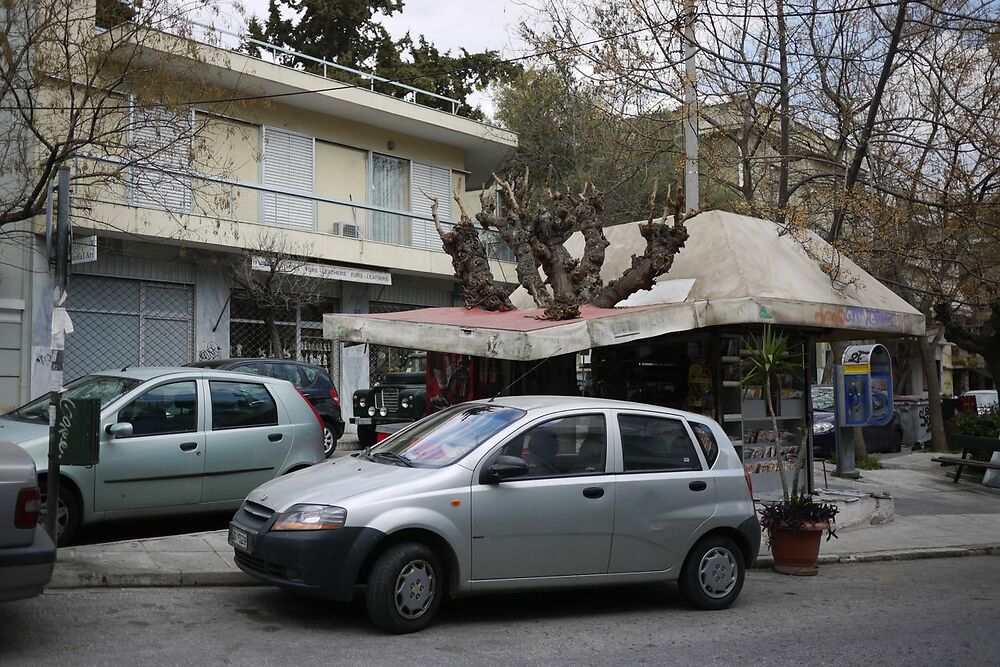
{"points": [[734, 270]]}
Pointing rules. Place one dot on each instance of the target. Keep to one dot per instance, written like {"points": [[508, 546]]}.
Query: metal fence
{"points": [[383, 359], [299, 332], [120, 322]]}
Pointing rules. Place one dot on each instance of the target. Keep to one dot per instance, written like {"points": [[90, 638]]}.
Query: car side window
{"points": [[574, 445], [656, 444], [707, 441], [241, 405], [246, 368], [284, 372], [310, 374], [169, 408]]}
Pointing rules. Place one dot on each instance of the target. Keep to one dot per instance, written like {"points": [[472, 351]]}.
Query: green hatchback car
{"points": [[173, 441]]}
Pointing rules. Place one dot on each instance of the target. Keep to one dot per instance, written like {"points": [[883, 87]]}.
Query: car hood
{"points": [[30, 436], [333, 482]]}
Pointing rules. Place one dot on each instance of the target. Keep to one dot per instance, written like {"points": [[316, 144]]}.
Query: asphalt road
{"points": [[929, 612]]}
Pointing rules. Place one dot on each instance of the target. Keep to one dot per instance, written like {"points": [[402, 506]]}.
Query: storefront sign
{"points": [[84, 250], [325, 271]]}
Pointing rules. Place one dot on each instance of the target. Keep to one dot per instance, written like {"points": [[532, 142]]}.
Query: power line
{"points": [[533, 55]]}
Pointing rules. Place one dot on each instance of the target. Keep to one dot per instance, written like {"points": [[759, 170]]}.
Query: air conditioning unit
{"points": [[348, 231]]}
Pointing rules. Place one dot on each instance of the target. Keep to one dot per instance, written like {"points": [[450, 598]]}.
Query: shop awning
{"points": [[734, 270]]}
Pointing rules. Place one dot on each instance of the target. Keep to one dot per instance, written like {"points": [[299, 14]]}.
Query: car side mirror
{"points": [[120, 430], [505, 467]]}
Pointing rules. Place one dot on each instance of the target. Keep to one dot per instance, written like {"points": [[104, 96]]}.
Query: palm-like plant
{"points": [[767, 357]]}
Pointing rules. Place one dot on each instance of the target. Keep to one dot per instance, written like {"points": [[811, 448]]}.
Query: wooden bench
{"points": [[970, 445]]}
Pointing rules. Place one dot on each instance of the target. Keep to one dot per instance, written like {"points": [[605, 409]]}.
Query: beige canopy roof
{"points": [[733, 270]]}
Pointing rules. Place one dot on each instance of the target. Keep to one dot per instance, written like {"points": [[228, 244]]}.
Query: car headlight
{"points": [[371, 411], [405, 402], [361, 402], [311, 517], [819, 428], [383, 412]]}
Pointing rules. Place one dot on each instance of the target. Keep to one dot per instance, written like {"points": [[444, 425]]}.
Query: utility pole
{"points": [[690, 111], [59, 328]]}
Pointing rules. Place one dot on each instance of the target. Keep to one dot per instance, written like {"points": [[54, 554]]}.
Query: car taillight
{"points": [[29, 503], [313, 408], [746, 476], [379, 437], [334, 396]]}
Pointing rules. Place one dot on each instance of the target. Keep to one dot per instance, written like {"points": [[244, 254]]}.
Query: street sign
{"points": [[77, 424]]}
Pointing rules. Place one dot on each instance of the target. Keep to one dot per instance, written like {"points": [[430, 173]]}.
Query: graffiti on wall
{"points": [[854, 317]]}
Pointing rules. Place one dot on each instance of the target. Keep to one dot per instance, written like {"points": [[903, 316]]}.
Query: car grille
{"points": [[388, 399], [259, 565], [255, 514]]}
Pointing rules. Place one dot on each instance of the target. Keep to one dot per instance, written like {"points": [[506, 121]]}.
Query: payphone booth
{"points": [[863, 396]]}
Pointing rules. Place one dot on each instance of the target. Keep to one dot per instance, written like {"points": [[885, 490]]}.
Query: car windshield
{"points": [[416, 363], [822, 399], [103, 387], [445, 437]]}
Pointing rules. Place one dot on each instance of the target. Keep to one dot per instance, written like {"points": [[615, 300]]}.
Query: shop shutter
{"points": [[289, 164], [436, 182], [160, 142]]}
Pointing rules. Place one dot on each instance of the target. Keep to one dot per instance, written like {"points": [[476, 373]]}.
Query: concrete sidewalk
{"points": [[933, 518]]}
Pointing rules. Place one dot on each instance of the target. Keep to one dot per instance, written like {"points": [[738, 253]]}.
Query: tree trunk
{"points": [[993, 363], [272, 334], [938, 440]]}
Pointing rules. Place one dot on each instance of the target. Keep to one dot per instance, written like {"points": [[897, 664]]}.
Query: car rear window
{"points": [[241, 405], [706, 439]]}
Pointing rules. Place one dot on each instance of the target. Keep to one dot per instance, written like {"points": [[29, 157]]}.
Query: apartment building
{"points": [[287, 161]]}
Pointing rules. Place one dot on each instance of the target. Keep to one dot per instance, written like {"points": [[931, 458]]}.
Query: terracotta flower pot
{"points": [[796, 551]]}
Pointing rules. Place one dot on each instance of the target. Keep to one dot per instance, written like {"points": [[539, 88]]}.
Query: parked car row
{"points": [[26, 552]]}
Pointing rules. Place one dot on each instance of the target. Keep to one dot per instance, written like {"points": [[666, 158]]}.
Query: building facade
{"points": [[333, 182]]}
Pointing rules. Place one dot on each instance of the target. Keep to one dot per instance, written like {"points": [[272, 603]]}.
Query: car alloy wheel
{"points": [[415, 589], [329, 442], [67, 513], [717, 572]]}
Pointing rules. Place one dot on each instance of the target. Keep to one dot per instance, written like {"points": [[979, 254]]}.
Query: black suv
{"points": [[313, 382]]}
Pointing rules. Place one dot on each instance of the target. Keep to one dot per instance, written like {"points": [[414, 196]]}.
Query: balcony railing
{"points": [[226, 202], [232, 40]]}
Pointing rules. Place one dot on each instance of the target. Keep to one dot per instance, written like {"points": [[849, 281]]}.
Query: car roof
{"points": [[531, 403], [215, 363], [146, 373]]}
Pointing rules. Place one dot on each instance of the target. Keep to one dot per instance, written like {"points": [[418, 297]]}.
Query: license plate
{"points": [[363, 420], [239, 538]]}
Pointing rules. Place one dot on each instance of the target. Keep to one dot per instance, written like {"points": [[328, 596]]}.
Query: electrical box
{"points": [[865, 392]]}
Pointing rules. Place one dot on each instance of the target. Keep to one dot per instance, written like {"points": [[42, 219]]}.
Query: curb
{"points": [[920, 553], [65, 580]]}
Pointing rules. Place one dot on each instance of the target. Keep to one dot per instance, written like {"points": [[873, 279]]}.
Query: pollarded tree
{"points": [[537, 226]]}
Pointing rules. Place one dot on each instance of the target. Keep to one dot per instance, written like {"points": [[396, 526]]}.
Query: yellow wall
{"points": [[341, 173]]}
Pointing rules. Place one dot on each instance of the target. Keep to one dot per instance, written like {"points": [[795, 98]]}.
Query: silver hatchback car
{"points": [[173, 441], [516, 493]]}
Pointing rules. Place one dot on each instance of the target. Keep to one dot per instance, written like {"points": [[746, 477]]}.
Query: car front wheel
{"points": [[329, 441], [67, 513], [405, 588], [713, 573]]}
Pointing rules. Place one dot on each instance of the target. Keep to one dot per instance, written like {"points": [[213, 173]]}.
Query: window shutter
{"points": [[160, 144], [436, 182], [289, 163]]}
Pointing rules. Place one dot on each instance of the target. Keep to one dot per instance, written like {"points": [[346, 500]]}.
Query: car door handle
{"points": [[189, 446], [593, 492], [275, 437], [698, 486]]}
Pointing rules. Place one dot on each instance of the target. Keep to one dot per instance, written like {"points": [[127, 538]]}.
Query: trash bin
{"points": [[915, 417]]}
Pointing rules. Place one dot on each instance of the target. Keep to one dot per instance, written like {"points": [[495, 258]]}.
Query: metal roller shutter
{"points": [[289, 163], [434, 181]]}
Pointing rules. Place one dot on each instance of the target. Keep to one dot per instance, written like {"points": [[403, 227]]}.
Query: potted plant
{"points": [[796, 523]]}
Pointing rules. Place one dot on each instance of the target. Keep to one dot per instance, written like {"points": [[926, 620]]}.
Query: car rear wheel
{"points": [[67, 513], [405, 588], [329, 441], [713, 573]]}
